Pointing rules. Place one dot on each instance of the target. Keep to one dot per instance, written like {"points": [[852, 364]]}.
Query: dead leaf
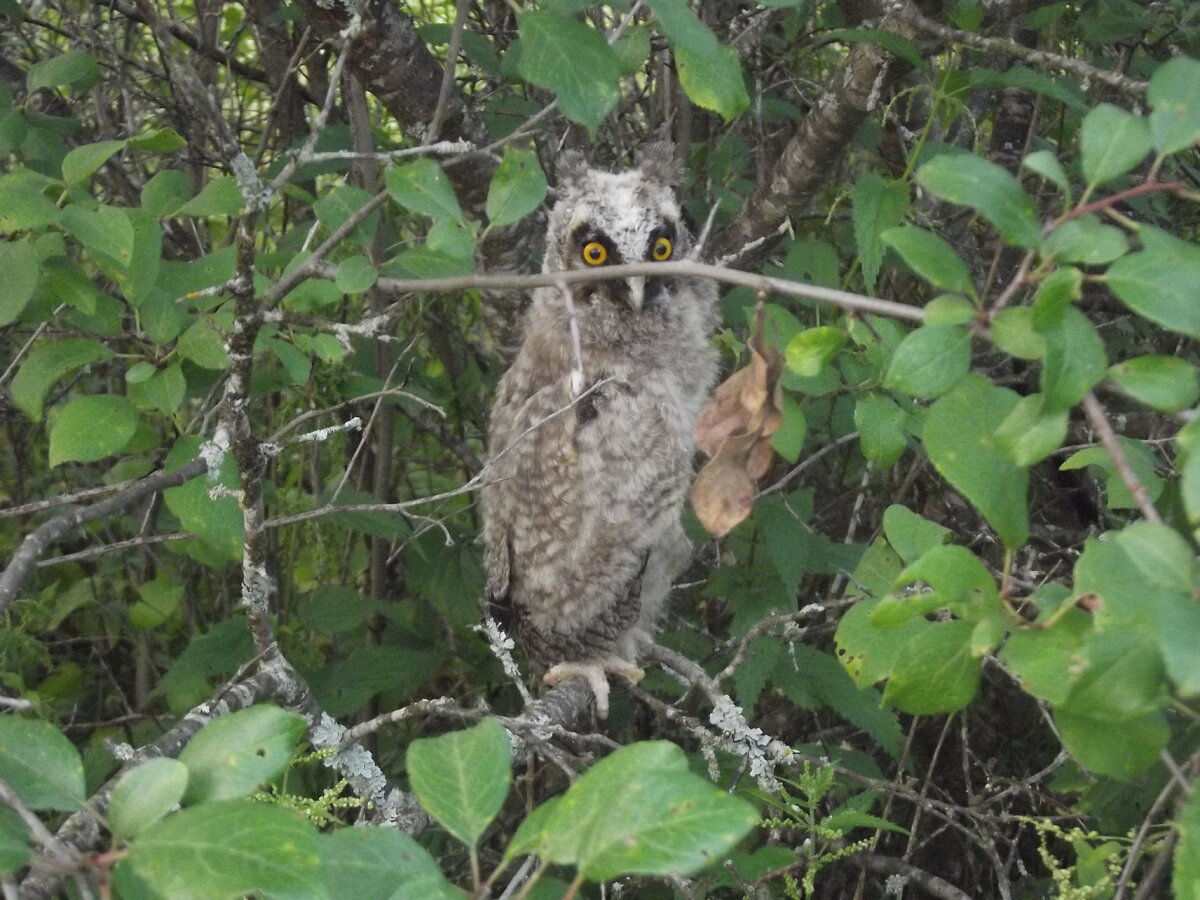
{"points": [[723, 492]]}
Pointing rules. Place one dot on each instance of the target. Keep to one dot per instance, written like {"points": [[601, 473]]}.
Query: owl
{"points": [[586, 481]]}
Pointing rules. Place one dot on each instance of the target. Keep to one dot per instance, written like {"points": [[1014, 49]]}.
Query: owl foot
{"points": [[595, 673]]}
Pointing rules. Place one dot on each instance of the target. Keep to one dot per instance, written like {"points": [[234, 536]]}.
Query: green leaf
{"points": [[930, 361], [880, 424], [160, 140], [640, 811], [632, 49], [1029, 434], [1041, 658], [936, 672], [959, 437], [168, 190], [788, 440], [931, 258], [1086, 241], [40, 764], [949, 309], [355, 275], [86, 429], [1056, 292], [985, 187], [231, 756], [80, 163], [1120, 752], [14, 840], [1118, 675], [1141, 460], [462, 778], [106, 232], [877, 205], [1112, 141], [1162, 284], [336, 206], [517, 188], [220, 197], [911, 535], [159, 600], [1174, 92], [683, 27], [811, 350], [203, 346], [20, 264], [381, 864], [956, 576], [423, 187], [1186, 879], [1166, 383], [1046, 164], [1161, 555], [869, 651], [894, 43], [74, 69], [229, 849], [144, 795], [571, 59], [163, 391], [1013, 332], [713, 81], [1074, 363]]}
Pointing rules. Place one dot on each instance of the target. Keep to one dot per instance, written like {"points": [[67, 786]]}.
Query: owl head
{"points": [[604, 219]]}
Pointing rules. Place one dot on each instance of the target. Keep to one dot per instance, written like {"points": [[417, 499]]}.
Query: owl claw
{"points": [[596, 673]]}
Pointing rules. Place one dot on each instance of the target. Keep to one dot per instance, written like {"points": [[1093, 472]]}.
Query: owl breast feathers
{"points": [[585, 488]]}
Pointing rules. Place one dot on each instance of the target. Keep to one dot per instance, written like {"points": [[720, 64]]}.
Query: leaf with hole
{"points": [[232, 755]]}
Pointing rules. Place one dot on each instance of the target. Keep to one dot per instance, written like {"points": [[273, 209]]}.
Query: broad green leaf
{"points": [[159, 600], [1013, 332], [381, 864], [949, 309], [1186, 878], [935, 672], [632, 49], [203, 346], [640, 811], [1040, 658], [985, 187], [1112, 141], [74, 69], [880, 425], [14, 840], [355, 275], [232, 755], [220, 197], [229, 849], [336, 206], [145, 260], [1167, 383], [930, 257], [1074, 362], [911, 535], [1162, 284], [423, 187], [106, 232], [877, 205], [1161, 555], [462, 778], [788, 440], [867, 651], [163, 390], [20, 264], [571, 59], [683, 27], [1174, 93], [1176, 624], [23, 202], [1086, 241], [80, 163], [959, 436], [40, 764], [713, 81], [86, 429], [1141, 460], [811, 350], [166, 192], [144, 795], [517, 188], [1029, 434], [1057, 291], [1046, 164], [1123, 752], [160, 140], [1118, 675], [930, 361], [956, 575]]}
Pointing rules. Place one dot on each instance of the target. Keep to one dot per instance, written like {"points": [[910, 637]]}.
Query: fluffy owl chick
{"points": [[583, 499]]}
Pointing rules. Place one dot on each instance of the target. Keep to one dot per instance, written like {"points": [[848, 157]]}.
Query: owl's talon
{"points": [[595, 674]]}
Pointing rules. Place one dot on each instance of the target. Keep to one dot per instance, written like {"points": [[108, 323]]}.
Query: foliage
{"points": [[948, 630]]}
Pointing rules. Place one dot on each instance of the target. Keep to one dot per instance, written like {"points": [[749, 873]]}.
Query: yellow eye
{"points": [[594, 253], [661, 251]]}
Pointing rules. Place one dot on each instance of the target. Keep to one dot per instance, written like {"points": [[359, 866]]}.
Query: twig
{"points": [[1108, 437], [91, 553], [926, 881]]}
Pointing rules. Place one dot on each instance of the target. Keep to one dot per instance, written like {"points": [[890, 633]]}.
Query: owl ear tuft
{"points": [[659, 162], [572, 169]]}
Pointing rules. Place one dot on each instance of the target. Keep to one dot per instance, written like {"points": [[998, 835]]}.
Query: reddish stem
{"points": [[1146, 187]]}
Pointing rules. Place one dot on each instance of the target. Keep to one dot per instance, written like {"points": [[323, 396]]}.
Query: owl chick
{"points": [[586, 482]]}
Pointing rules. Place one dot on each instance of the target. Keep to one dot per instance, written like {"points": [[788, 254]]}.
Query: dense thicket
{"points": [[256, 294]]}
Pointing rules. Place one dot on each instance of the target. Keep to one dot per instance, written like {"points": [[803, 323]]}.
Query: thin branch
{"points": [[926, 881], [1108, 437]]}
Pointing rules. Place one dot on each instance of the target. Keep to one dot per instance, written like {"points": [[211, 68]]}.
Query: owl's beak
{"points": [[637, 292]]}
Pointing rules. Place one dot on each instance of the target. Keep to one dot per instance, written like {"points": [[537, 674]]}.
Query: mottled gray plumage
{"points": [[583, 498]]}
